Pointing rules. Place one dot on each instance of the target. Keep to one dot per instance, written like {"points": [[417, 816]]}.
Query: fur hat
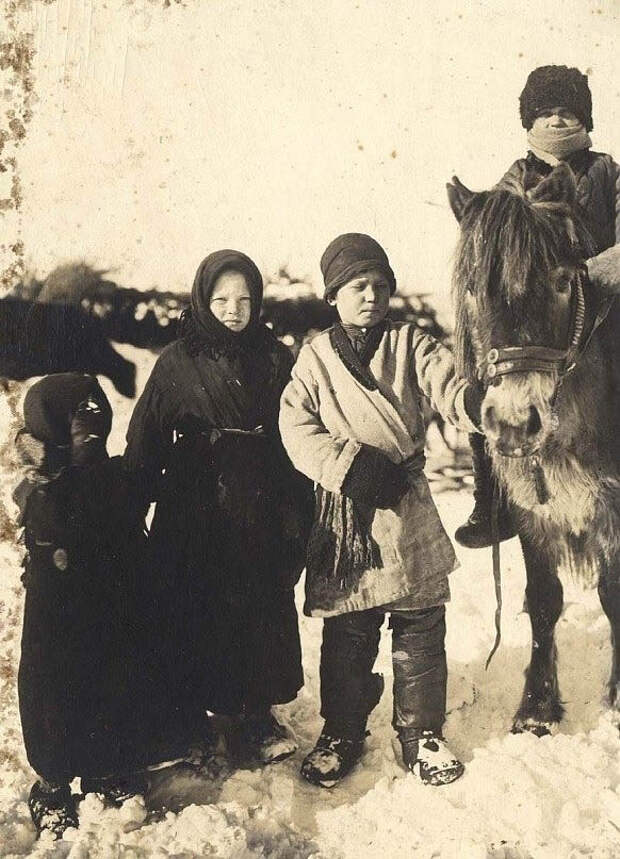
{"points": [[550, 86], [349, 256]]}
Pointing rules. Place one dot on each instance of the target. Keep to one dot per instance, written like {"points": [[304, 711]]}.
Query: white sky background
{"points": [[161, 134]]}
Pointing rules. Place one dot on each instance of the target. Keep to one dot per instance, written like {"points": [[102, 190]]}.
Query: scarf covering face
{"points": [[553, 145], [210, 330], [349, 256]]}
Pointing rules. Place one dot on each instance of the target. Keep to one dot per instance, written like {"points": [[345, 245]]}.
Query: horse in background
{"points": [[37, 339], [544, 341]]}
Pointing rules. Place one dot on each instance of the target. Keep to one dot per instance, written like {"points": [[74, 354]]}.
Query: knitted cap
{"points": [[349, 256], [552, 86]]}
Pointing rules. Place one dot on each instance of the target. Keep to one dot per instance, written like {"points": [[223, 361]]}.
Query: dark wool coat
{"points": [[598, 189], [229, 531], [86, 680]]}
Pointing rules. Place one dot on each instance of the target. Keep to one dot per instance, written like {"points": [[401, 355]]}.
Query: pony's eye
{"points": [[562, 279]]}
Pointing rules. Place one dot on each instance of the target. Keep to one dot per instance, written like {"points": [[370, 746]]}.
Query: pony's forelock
{"points": [[505, 239]]}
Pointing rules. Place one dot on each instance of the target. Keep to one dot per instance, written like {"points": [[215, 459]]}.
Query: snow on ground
{"points": [[520, 798]]}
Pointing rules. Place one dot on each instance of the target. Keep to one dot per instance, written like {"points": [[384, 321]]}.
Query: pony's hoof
{"points": [[531, 726]]}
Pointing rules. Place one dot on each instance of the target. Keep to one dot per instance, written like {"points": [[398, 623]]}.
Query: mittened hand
{"points": [[375, 480], [393, 486]]}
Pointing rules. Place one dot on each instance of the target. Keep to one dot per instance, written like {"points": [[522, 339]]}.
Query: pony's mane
{"points": [[505, 239]]}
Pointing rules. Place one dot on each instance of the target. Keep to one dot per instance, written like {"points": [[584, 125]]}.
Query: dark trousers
{"points": [[349, 649]]}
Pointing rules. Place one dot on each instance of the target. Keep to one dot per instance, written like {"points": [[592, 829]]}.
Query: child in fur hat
{"points": [[86, 680], [556, 111], [351, 420]]}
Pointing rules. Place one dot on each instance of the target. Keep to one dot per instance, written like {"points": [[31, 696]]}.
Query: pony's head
{"points": [[518, 297]]}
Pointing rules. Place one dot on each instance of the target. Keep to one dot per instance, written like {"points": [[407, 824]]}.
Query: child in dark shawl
{"points": [[87, 679], [228, 534]]}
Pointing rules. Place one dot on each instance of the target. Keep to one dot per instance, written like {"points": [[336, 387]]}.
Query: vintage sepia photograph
{"points": [[310, 429]]}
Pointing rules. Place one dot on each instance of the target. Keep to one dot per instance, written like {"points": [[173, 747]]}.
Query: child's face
{"points": [[555, 117], [88, 434], [230, 300], [363, 301]]}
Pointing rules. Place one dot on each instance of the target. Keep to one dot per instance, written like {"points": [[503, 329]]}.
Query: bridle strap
{"points": [[504, 360]]}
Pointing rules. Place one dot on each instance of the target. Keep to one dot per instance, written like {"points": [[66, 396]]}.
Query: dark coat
{"points": [[230, 526], [598, 190], [87, 682]]}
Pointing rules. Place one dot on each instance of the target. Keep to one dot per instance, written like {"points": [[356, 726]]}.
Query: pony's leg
{"points": [[540, 705], [609, 593]]}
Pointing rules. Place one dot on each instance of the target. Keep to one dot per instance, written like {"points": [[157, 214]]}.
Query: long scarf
{"points": [[553, 145], [340, 545]]}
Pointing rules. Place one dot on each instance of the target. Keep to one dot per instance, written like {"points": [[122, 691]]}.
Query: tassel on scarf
{"points": [[340, 544]]}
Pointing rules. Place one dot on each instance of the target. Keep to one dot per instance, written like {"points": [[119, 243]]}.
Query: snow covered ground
{"points": [[521, 797]]}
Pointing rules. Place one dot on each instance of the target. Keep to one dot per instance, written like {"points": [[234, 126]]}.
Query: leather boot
{"points": [[476, 532]]}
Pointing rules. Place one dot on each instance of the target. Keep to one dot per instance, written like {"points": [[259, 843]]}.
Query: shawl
{"points": [[199, 327]]}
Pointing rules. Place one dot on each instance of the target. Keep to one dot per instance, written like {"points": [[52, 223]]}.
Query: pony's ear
{"points": [[458, 196], [558, 187]]}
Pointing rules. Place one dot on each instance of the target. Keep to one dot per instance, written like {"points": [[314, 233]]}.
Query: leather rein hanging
{"points": [[505, 360]]}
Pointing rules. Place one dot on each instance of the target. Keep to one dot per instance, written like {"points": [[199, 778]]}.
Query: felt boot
{"points": [[53, 808], [335, 754], [116, 790], [476, 532], [270, 740], [427, 756]]}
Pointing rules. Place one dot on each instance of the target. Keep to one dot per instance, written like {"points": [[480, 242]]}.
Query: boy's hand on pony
{"points": [[375, 480]]}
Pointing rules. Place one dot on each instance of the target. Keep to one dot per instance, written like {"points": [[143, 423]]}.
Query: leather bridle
{"points": [[504, 360]]}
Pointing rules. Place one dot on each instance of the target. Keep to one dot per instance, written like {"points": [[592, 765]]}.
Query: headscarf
{"points": [[349, 256], [200, 325]]}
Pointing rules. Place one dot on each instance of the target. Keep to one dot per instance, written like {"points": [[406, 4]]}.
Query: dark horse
{"points": [[37, 338], [544, 340]]}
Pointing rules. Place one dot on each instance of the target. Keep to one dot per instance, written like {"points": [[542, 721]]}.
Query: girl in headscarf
{"points": [[228, 534], [87, 676]]}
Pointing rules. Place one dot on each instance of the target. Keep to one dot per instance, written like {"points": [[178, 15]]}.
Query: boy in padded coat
{"points": [[351, 420]]}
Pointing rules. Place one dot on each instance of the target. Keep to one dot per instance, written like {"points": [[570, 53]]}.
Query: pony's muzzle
{"points": [[517, 433]]}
